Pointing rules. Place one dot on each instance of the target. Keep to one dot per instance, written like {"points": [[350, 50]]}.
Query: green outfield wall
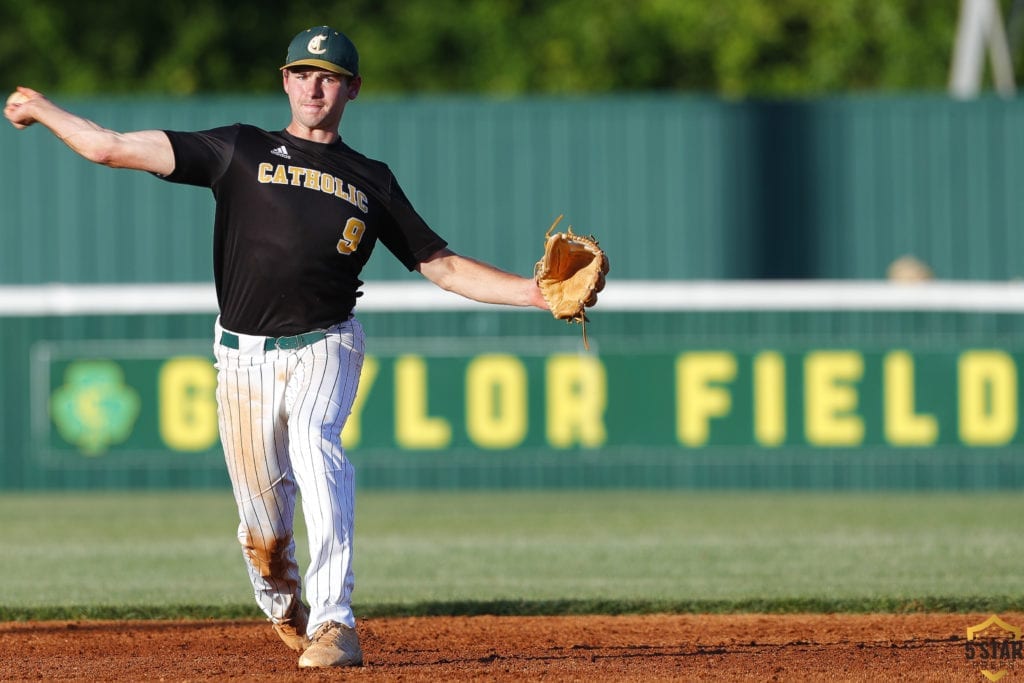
{"points": [[677, 187]]}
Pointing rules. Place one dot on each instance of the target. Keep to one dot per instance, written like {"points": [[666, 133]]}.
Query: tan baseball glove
{"points": [[570, 274]]}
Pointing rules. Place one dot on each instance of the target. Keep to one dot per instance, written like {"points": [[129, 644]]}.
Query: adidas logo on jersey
{"points": [[281, 151]]}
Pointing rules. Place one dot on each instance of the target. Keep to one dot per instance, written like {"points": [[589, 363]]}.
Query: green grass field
{"points": [[69, 555]]}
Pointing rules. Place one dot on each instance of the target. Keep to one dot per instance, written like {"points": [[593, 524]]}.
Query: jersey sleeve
{"points": [[407, 235], [201, 157]]}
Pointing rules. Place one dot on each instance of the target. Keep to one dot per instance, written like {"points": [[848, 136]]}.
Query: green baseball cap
{"points": [[323, 47]]}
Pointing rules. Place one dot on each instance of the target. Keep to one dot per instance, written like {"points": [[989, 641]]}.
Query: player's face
{"points": [[318, 97]]}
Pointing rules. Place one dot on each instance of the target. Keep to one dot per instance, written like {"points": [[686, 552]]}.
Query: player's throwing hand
{"points": [[14, 109]]}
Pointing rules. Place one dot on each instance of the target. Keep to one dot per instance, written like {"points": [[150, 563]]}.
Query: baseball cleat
{"points": [[292, 630], [333, 644]]}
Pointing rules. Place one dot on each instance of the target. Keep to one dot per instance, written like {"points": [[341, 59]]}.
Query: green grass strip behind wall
{"points": [[174, 555]]}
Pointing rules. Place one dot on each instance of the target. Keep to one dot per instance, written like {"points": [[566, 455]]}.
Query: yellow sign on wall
{"points": [[685, 399]]}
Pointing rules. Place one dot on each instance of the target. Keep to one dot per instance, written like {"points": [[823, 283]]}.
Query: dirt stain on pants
{"points": [[268, 555]]}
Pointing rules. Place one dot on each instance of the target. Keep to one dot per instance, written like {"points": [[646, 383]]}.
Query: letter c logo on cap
{"points": [[315, 45]]}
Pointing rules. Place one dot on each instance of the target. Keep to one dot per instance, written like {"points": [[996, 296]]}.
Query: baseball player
{"points": [[298, 213]]}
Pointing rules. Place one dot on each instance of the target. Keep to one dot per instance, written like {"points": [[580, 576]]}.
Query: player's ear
{"points": [[354, 84]]}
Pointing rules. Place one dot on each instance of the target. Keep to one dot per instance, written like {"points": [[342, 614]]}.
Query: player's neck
{"points": [[320, 135]]}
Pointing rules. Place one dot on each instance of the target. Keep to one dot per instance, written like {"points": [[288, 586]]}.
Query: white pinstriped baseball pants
{"points": [[281, 413]]}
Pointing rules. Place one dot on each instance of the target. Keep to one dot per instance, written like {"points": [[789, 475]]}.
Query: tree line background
{"points": [[731, 48]]}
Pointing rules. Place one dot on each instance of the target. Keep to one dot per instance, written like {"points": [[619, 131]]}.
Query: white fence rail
{"points": [[633, 296]]}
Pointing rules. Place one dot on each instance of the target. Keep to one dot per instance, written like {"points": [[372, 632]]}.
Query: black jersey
{"points": [[295, 223]]}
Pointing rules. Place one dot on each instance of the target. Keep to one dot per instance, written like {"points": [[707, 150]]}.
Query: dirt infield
{"points": [[918, 647]]}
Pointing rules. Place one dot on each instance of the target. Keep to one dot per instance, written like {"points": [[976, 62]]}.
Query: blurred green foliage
{"points": [[732, 48]]}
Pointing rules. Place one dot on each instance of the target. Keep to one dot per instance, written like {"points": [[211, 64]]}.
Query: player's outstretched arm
{"points": [[147, 150], [480, 281]]}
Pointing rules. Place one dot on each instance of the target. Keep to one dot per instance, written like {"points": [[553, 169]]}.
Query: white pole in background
{"points": [[980, 26]]}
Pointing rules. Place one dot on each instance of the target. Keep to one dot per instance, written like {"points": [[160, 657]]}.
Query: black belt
{"points": [[230, 340]]}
